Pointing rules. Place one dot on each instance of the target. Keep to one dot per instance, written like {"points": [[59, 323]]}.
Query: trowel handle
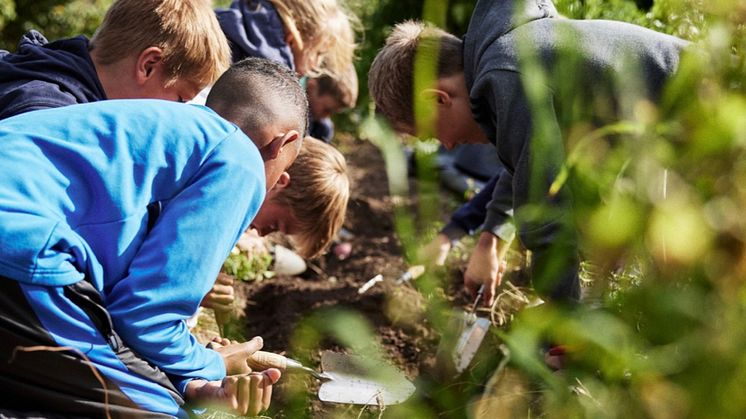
{"points": [[261, 360]]}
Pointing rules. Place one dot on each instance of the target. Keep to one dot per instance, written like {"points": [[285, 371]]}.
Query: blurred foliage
{"points": [[658, 202], [55, 19]]}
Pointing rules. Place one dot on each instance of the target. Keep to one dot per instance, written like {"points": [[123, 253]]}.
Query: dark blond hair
{"points": [[317, 196], [391, 77], [343, 89], [187, 31], [324, 30]]}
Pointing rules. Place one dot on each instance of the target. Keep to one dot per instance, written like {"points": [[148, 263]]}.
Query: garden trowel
{"points": [[261, 360], [474, 330], [346, 378], [465, 334], [356, 380]]}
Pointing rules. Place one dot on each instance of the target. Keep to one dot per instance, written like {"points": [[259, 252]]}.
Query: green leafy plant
{"points": [[249, 267]]}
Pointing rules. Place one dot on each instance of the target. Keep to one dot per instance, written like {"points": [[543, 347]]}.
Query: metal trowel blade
{"points": [[359, 381], [469, 341]]}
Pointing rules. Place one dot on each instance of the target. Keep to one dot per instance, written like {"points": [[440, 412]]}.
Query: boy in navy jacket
{"points": [[164, 49], [480, 97], [96, 287]]}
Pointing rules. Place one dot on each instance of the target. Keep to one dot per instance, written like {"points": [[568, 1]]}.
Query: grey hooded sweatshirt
{"points": [[595, 71]]}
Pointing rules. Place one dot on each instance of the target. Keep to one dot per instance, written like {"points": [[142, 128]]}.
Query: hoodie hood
{"points": [[494, 18], [255, 29], [44, 75]]}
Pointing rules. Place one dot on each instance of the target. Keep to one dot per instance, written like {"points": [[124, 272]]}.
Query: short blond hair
{"points": [[325, 31], [391, 76], [343, 89], [187, 31], [317, 196]]}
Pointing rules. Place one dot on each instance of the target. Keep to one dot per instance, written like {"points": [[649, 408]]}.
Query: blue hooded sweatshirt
{"points": [[73, 204], [254, 29], [606, 58], [42, 75]]}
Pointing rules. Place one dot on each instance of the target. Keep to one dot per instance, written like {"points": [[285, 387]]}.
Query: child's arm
{"points": [[179, 259], [472, 214], [529, 138]]}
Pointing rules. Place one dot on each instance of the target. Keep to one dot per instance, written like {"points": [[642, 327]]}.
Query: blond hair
{"points": [[343, 89], [391, 76], [323, 29], [317, 195], [187, 31]]}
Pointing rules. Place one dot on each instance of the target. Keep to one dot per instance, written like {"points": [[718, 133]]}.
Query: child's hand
{"points": [[221, 296], [435, 252], [485, 267], [235, 354], [247, 394]]}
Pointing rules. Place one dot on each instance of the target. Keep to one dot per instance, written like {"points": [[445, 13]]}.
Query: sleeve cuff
{"points": [[504, 229], [214, 373]]}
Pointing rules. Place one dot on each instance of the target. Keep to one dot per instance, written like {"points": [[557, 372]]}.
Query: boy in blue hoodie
{"points": [[95, 285], [480, 97], [164, 49]]}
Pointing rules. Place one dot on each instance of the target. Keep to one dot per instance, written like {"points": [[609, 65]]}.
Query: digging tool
{"points": [[464, 335], [470, 328], [221, 319], [412, 273], [346, 378], [474, 330], [261, 360], [361, 381]]}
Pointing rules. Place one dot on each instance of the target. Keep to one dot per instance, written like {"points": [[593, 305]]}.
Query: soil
{"points": [[275, 306]]}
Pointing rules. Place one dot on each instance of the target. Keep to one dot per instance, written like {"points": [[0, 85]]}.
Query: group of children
{"points": [[116, 215]]}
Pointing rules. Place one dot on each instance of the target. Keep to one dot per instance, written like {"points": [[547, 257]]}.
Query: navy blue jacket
{"points": [[43, 75], [321, 129], [470, 216], [602, 53], [255, 29]]}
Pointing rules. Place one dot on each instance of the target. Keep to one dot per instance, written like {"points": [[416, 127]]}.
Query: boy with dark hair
{"points": [[480, 96], [95, 286], [163, 49]]}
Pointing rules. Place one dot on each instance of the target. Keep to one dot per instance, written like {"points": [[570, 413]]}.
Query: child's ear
{"points": [[274, 148], [149, 62], [292, 37], [441, 96], [284, 181]]}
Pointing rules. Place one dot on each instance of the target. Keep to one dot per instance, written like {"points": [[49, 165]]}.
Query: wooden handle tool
{"points": [[262, 360]]}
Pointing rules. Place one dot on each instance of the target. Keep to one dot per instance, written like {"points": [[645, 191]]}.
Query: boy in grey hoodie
{"points": [[480, 96]]}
